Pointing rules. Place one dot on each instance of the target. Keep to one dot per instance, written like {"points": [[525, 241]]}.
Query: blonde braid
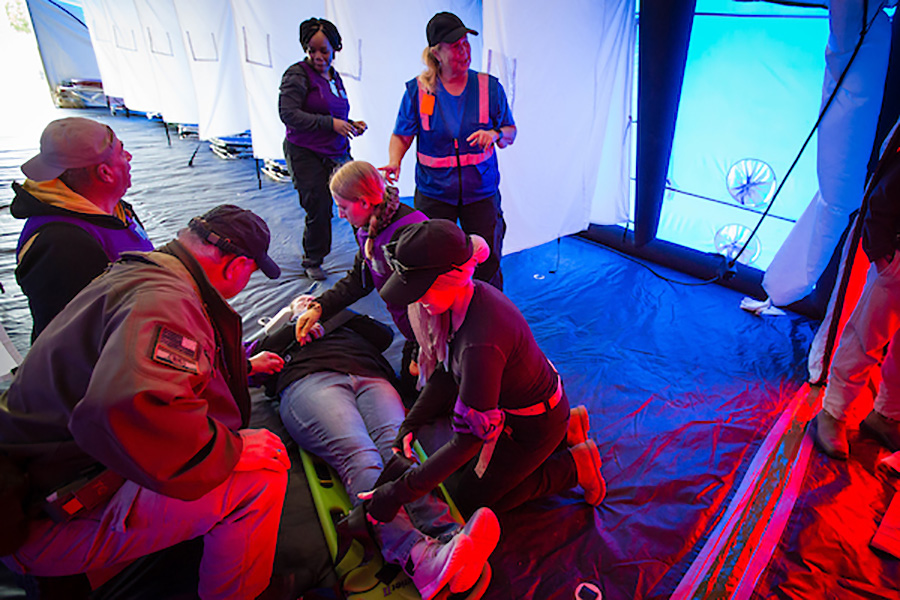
{"points": [[382, 214]]}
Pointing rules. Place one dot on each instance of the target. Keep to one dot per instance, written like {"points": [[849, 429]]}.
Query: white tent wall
{"points": [[100, 27], [267, 34], [63, 38], [570, 159], [378, 60], [138, 80], [845, 140], [207, 28], [172, 73], [611, 113], [570, 102]]}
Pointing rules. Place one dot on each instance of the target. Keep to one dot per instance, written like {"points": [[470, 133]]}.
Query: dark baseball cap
{"points": [[420, 254], [237, 231], [445, 27]]}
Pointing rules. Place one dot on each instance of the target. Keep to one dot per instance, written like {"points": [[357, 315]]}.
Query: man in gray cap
{"points": [[130, 417], [77, 222]]}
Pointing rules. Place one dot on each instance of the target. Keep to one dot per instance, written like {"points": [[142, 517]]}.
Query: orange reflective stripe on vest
{"points": [[465, 160], [426, 106], [483, 108], [426, 109]]}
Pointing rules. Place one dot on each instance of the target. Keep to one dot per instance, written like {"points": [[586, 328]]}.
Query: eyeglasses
{"points": [[400, 269]]}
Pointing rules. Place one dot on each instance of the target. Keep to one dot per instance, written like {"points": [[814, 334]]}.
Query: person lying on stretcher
{"points": [[339, 402]]}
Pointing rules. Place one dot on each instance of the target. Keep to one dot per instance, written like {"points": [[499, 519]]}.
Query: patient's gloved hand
{"points": [[306, 322]]}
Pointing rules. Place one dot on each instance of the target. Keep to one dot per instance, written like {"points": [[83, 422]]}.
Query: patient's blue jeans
{"points": [[350, 422]]}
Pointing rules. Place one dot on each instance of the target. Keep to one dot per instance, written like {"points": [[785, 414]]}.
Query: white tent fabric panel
{"points": [[66, 49], [610, 115], [377, 61], [207, 28], [139, 84], [563, 104], [237, 51], [100, 27], [168, 60], [268, 42], [846, 134]]}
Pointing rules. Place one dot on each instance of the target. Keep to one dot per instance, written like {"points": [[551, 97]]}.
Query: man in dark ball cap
{"points": [[130, 415]]}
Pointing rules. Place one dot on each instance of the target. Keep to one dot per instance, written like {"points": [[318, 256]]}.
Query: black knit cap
{"points": [[237, 231], [310, 27], [445, 27], [420, 254]]}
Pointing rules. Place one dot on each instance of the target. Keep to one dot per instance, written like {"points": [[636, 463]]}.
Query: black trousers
{"points": [[530, 462], [310, 172], [484, 218]]}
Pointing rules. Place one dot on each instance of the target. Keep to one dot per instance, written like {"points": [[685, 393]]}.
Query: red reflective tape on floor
{"points": [[719, 538], [763, 551]]}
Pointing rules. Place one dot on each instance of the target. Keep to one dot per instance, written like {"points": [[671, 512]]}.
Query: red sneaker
{"points": [[587, 465], [579, 425]]}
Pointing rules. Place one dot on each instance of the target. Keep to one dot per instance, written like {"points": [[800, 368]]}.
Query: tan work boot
{"points": [[578, 427], [587, 466], [831, 436], [885, 430]]}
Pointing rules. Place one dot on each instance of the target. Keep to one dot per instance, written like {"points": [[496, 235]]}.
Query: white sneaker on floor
{"points": [[434, 564], [483, 530]]}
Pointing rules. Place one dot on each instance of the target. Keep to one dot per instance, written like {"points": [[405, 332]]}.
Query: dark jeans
{"points": [[311, 172], [530, 462], [484, 218]]}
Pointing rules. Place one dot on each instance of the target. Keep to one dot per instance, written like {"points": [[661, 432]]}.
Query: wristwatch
{"points": [[499, 133]]}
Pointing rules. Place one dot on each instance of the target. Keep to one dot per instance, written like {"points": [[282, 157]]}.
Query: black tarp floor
{"points": [[698, 408]]}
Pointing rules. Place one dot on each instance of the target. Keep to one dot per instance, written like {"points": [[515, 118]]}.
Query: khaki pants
{"points": [[874, 324], [238, 521]]}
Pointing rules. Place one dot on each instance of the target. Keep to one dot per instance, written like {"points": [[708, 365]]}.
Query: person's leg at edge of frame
{"points": [[239, 521], [887, 402], [862, 341], [238, 553], [884, 421]]}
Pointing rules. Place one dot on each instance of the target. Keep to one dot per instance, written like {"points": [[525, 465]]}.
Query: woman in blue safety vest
{"points": [[458, 116]]}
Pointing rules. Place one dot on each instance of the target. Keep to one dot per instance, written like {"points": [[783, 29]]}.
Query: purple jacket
{"points": [[307, 105]]}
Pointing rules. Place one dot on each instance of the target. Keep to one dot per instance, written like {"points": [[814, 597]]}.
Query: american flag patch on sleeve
{"points": [[177, 351]]}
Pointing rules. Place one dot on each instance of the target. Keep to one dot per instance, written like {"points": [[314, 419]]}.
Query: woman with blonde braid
{"points": [[374, 210]]}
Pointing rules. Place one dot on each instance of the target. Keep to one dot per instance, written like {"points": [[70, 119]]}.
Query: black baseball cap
{"points": [[420, 254], [237, 231], [445, 27]]}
